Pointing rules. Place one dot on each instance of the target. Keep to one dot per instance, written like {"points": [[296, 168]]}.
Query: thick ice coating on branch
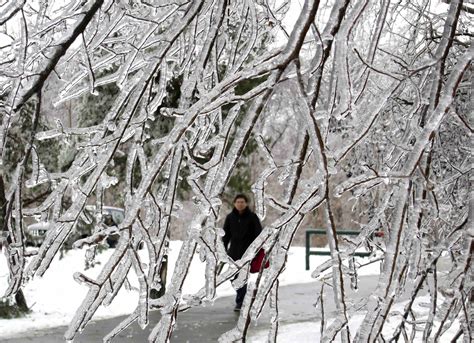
{"points": [[339, 114]]}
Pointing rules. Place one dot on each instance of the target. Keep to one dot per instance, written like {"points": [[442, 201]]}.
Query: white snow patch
{"points": [[309, 331]]}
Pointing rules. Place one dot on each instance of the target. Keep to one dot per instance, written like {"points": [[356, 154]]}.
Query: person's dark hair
{"points": [[241, 196]]}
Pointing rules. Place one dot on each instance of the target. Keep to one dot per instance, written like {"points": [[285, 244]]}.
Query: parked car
{"points": [[35, 233]]}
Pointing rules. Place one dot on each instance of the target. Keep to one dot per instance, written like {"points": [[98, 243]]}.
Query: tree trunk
{"points": [[21, 301], [19, 297]]}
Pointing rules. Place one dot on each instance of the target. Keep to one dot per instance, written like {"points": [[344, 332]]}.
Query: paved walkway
{"points": [[206, 324]]}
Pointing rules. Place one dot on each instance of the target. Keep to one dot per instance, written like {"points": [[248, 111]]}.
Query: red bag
{"points": [[257, 262]]}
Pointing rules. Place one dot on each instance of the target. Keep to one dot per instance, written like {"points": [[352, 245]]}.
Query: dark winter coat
{"points": [[240, 231]]}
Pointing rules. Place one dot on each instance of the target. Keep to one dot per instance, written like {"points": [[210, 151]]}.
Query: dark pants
{"points": [[239, 299]]}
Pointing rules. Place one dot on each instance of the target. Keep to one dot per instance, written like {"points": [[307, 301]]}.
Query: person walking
{"points": [[241, 227]]}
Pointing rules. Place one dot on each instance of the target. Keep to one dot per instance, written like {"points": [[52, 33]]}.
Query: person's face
{"points": [[240, 204]]}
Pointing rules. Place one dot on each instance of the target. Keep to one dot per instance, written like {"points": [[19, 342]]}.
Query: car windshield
{"points": [[117, 215]]}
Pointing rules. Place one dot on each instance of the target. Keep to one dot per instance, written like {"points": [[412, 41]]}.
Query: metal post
{"points": [[307, 249]]}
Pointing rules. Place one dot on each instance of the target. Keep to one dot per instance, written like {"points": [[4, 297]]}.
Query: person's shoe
{"points": [[237, 307]]}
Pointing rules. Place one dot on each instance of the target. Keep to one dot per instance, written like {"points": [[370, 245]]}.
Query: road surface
{"points": [[206, 324]]}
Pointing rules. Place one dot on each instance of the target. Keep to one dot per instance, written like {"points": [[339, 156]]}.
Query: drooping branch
{"points": [[59, 51]]}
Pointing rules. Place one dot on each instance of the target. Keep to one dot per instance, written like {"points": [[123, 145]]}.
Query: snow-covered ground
{"points": [[306, 332], [55, 297]]}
